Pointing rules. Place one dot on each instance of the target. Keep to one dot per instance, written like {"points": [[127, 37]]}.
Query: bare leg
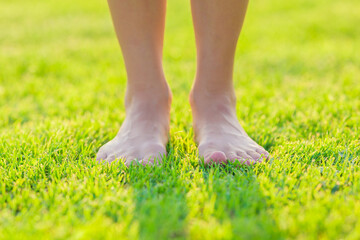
{"points": [[139, 26], [218, 133]]}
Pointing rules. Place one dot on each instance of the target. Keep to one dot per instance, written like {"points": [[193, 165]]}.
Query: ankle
{"points": [[207, 97], [158, 95]]}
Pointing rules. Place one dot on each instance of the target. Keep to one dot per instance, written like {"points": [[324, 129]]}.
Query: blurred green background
{"points": [[62, 83]]}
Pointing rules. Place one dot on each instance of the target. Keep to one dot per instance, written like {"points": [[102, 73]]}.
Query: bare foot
{"points": [[144, 133], [218, 133]]}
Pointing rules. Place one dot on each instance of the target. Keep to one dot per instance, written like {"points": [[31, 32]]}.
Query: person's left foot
{"points": [[218, 133]]}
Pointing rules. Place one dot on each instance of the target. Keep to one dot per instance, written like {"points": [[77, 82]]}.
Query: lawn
{"points": [[62, 83]]}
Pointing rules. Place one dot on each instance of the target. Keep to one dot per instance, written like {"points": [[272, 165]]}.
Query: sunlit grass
{"points": [[62, 84]]}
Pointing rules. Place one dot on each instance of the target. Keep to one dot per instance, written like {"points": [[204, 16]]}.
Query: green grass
{"points": [[62, 85]]}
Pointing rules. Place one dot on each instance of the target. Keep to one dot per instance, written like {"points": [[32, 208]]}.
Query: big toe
{"points": [[151, 159], [101, 156], [155, 156], [215, 157]]}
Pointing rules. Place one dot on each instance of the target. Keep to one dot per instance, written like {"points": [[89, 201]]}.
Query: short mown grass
{"points": [[62, 83]]}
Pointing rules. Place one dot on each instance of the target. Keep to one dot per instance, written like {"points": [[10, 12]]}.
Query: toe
{"points": [[130, 160], [145, 163], [254, 155], [263, 152], [247, 159], [233, 157], [101, 156], [154, 153], [111, 158], [215, 157], [155, 158], [243, 154]]}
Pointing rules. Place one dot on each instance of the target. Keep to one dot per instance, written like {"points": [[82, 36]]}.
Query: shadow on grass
{"points": [[240, 201], [182, 199], [160, 201]]}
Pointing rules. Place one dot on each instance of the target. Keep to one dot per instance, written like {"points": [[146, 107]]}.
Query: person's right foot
{"points": [[144, 133]]}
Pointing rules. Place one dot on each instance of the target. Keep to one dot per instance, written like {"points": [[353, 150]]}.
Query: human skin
{"points": [[139, 26], [142, 138], [218, 133]]}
